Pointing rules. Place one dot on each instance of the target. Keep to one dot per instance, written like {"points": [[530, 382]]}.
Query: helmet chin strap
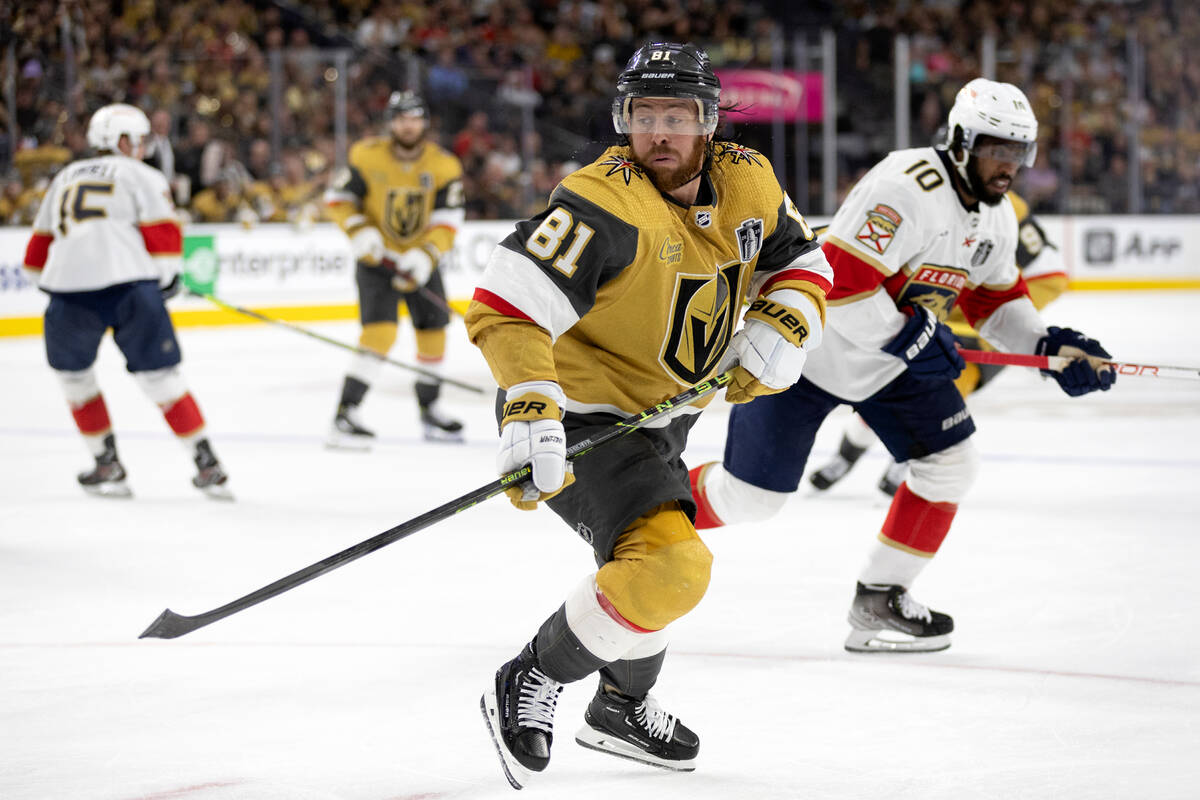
{"points": [[961, 165]]}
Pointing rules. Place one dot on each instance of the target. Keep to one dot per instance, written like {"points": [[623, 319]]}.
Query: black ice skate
{"points": [[889, 482], [847, 456], [638, 730], [885, 619], [519, 711], [437, 427], [347, 433], [107, 478], [210, 478]]}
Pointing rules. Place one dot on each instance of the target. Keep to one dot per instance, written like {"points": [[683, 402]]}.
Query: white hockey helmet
{"points": [[991, 108], [113, 121]]}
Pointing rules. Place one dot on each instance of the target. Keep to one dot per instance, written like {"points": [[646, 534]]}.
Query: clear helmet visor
{"points": [[673, 116], [1006, 150]]}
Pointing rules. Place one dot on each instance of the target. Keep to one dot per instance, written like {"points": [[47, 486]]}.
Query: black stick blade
{"points": [[169, 625]]}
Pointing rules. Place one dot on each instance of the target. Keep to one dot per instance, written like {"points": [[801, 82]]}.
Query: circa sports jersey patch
{"points": [[670, 252], [982, 252], [880, 228], [936, 288], [628, 169], [749, 238]]}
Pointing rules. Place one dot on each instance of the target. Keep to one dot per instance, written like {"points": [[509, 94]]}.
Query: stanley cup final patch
{"points": [[880, 228], [749, 238]]}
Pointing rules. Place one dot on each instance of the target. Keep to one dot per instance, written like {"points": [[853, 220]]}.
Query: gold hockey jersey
{"points": [[416, 203], [639, 295]]}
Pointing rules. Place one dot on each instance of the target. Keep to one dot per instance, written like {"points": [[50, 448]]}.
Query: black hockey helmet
{"points": [[406, 103], [668, 69]]}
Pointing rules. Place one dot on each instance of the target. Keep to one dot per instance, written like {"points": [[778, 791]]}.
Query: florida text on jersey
{"points": [[641, 294], [904, 236]]}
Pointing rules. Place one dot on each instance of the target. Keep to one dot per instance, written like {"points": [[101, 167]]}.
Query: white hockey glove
{"points": [[531, 432], [767, 351], [410, 269], [367, 244]]}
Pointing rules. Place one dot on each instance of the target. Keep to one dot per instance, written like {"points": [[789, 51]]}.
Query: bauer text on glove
{"points": [[926, 345], [531, 432], [769, 350]]}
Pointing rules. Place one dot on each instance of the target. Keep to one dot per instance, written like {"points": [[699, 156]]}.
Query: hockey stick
{"points": [[169, 625], [1059, 362], [328, 340]]}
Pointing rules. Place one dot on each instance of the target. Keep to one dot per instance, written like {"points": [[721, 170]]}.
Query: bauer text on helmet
{"points": [[667, 69], [997, 110]]}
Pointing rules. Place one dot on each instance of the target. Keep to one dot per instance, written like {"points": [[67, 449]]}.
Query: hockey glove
{"points": [[767, 351], [926, 345], [531, 432], [171, 289], [367, 244], [410, 270], [1087, 372]]}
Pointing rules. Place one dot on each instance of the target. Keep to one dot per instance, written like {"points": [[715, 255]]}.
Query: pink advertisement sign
{"points": [[761, 94]]}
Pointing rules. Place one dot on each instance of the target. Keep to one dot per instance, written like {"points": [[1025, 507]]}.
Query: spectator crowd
{"points": [[242, 95]]}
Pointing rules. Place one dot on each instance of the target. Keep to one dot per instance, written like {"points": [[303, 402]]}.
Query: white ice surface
{"points": [[1072, 574]]}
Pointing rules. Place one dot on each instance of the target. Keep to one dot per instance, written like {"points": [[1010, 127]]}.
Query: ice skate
{"points": [[893, 476], [836, 469], [885, 619], [437, 427], [210, 477], [107, 478], [519, 711], [347, 433], [638, 730]]}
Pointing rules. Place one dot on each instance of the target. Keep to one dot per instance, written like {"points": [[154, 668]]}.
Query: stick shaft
{"points": [[170, 625], [329, 340], [1059, 362]]}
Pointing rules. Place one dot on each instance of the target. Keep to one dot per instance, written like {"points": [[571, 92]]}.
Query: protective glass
{"points": [[665, 115], [1005, 150]]}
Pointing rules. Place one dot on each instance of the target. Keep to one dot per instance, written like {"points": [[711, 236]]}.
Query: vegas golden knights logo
{"points": [[703, 315], [404, 212]]}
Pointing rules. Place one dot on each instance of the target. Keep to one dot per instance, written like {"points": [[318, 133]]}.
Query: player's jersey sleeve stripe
{"points": [[520, 283], [499, 304], [38, 250], [162, 238], [822, 278], [451, 218], [853, 275], [979, 302]]}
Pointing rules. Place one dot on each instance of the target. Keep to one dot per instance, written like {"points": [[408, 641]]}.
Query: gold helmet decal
{"points": [[704, 313]]}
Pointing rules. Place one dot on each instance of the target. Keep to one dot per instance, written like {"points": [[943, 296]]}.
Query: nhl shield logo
{"points": [[703, 219], [982, 252], [749, 238]]}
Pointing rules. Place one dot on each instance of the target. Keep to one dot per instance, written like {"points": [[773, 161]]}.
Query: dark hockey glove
{"points": [[171, 289], [926, 345], [1087, 372]]}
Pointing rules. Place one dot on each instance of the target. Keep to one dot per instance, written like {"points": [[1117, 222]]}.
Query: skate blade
{"points": [[117, 490], [433, 433], [344, 441], [217, 491], [888, 641], [517, 775], [602, 742]]}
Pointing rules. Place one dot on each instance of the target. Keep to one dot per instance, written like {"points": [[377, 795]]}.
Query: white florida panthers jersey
{"points": [[105, 221], [904, 236]]}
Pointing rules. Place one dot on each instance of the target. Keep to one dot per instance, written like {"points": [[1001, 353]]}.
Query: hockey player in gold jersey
{"points": [[400, 200], [1042, 269], [625, 290]]}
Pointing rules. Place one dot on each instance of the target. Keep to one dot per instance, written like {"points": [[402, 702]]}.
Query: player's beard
{"points": [[667, 180], [409, 142], [980, 189]]}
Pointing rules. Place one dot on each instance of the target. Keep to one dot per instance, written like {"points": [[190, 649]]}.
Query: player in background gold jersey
{"points": [[1041, 267], [400, 200]]}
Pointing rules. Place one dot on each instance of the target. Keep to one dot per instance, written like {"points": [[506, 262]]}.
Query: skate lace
{"points": [[657, 722], [537, 700], [911, 609]]}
